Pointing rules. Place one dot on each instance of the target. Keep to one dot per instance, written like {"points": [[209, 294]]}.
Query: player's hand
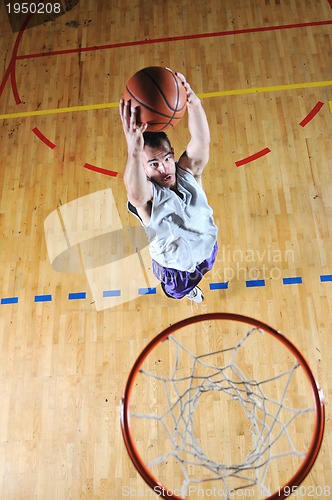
{"points": [[192, 98], [132, 131]]}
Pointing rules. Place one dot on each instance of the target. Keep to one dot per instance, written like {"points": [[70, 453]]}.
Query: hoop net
{"points": [[222, 405]]}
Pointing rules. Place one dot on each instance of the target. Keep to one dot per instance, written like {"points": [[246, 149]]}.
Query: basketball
{"points": [[160, 97]]}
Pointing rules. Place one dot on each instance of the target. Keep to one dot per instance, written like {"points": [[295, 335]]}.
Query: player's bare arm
{"points": [[197, 151], [139, 189]]}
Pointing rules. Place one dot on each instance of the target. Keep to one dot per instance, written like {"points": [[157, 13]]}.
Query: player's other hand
{"points": [[132, 131], [192, 98]]}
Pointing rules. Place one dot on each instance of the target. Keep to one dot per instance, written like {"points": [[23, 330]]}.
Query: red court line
{"points": [[100, 170], [312, 113], [175, 39], [11, 70], [14, 83], [330, 2], [5, 78], [41, 136], [253, 157]]}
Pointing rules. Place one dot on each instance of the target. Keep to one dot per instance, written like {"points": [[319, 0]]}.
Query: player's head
{"points": [[158, 159], [155, 139]]}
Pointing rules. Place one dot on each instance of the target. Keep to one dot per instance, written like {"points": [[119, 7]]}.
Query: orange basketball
{"points": [[160, 95]]}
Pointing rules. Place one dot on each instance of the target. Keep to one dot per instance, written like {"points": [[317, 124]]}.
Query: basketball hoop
{"points": [[222, 403]]}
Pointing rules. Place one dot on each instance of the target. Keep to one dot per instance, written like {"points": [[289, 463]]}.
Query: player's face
{"points": [[159, 164]]}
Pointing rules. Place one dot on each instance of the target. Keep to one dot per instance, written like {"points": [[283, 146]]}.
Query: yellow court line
{"points": [[42, 112], [207, 95], [275, 88], [330, 104]]}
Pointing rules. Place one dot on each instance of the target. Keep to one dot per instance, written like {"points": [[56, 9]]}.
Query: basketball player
{"points": [[168, 198]]}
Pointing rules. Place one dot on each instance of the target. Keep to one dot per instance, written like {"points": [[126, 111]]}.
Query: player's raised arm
{"points": [[197, 152], [139, 189]]}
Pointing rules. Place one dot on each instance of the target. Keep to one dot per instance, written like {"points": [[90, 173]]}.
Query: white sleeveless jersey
{"points": [[181, 232]]}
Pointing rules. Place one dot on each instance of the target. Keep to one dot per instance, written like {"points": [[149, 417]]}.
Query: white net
{"points": [[234, 421]]}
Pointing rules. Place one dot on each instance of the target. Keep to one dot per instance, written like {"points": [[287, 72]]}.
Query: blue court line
{"points": [[43, 298], [146, 291], [325, 277], [77, 296], [223, 285], [111, 293], [292, 281], [253, 283], [9, 300]]}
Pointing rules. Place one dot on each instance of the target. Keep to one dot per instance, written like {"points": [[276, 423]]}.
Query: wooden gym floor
{"points": [[78, 302]]}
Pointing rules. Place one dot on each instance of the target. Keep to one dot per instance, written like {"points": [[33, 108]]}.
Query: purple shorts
{"points": [[177, 284]]}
